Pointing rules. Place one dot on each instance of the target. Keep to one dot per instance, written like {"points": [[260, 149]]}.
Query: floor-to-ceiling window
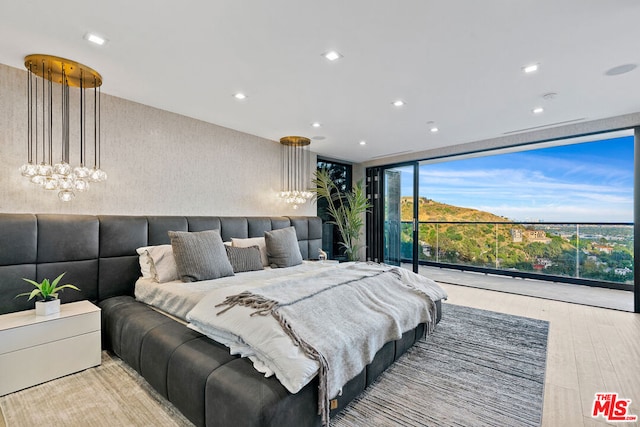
{"points": [[562, 210], [399, 216]]}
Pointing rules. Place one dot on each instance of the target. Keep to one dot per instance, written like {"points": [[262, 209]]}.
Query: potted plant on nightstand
{"points": [[47, 292]]}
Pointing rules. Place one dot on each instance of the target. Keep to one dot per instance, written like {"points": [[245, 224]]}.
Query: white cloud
{"points": [[518, 193]]}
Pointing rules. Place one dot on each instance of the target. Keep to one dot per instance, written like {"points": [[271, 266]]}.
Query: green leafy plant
{"points": [[46, 290], [346, 210]]}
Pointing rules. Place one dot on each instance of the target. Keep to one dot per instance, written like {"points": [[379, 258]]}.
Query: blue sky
{"points": [[588, 182]]}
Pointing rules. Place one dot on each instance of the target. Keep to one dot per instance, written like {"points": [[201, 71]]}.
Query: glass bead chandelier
{"points": [[295, 170], [53, 170]]}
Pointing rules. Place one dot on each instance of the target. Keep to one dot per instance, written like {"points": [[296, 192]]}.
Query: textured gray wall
{"points": [[158, 163]]}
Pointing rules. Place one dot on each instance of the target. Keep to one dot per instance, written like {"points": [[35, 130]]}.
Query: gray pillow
{"points": [[244, 259], [200, 255], [282, 247]]}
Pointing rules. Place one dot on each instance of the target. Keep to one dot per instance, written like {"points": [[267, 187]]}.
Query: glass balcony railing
{"points": [[587, 253]]}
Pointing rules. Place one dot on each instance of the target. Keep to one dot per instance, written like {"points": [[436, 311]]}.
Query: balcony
{"points": [[552, 257], [578, 294]]}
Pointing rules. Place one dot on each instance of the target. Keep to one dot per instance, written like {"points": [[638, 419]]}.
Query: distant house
{"points": [[604, 248], [537, 236], [516, 235], [426, 248], [622, 271], [544, 262], [594, 259]]}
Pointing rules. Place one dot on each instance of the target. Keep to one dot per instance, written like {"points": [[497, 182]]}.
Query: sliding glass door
{"points": [[399, 193]]}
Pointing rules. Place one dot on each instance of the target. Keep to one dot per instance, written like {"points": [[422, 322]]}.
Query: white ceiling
{"points": [[454, 62]]}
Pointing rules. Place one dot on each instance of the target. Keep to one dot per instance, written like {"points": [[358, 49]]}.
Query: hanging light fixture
{"points": [[46, 168], [295, 169]]}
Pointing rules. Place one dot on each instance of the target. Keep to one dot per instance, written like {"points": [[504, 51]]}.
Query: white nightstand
{"points": [[35, 349]]}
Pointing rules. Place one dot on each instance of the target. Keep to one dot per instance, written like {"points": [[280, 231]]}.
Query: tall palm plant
{"points": [[346, 210]]}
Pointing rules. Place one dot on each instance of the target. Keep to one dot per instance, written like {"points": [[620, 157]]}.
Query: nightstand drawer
{"points": [[38, 364], [48, 329]]}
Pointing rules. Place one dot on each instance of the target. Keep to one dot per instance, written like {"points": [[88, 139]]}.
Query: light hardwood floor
{"points": [[589, 350]]}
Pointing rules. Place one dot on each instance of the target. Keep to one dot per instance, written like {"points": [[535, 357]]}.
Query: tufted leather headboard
{"points": [[98, 253]]}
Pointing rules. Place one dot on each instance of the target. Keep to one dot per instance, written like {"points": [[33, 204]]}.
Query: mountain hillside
{"points": [[473, 237], [430, 210], [489, 242]]}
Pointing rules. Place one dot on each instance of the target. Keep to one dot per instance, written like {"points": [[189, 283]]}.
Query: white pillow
{"points": [[260, 242], [163, 265], [145, 262]]}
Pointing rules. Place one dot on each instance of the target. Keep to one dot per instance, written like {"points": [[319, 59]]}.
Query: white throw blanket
{"points": [[338, 318]]}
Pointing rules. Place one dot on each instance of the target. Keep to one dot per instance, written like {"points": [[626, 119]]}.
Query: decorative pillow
{"points": [[253, 241], [145, 262], [162, 264], [282, 247], [200, 255], [244, 259]]}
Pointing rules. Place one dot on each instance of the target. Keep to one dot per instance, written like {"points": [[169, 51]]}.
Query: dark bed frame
{"points": [[199, 376]]}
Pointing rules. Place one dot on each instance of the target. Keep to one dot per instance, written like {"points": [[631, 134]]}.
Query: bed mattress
{"points": [[177, 298]]}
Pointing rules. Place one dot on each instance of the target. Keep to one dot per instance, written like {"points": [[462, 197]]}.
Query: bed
{"points": [[201, 377]]}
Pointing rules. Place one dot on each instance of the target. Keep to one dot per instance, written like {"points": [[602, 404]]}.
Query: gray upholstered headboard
{"points": [[98, 253]]}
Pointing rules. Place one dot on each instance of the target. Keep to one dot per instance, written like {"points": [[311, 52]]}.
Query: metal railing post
{"points": [[577, 250]]}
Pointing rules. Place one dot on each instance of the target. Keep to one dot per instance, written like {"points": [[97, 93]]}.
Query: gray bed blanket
{"points": [[342, 317]]}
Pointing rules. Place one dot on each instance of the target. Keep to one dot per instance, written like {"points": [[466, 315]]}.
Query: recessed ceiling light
{"points": [[332, 55], [538, 110], [363, 142], [398, 103], [239, 95], [316, 125], [620, 69], [434, 129], [530, 68], [94, 38]]}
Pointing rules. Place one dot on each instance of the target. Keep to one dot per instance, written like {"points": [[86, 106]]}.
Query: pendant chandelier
{"points": [[295, 170], [51, 168]]}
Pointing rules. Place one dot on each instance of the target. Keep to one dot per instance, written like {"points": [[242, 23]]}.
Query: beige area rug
{"points": [[111, 394]]}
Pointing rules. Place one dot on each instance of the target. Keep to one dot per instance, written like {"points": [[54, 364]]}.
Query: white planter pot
{"points": [[46, 308]]}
